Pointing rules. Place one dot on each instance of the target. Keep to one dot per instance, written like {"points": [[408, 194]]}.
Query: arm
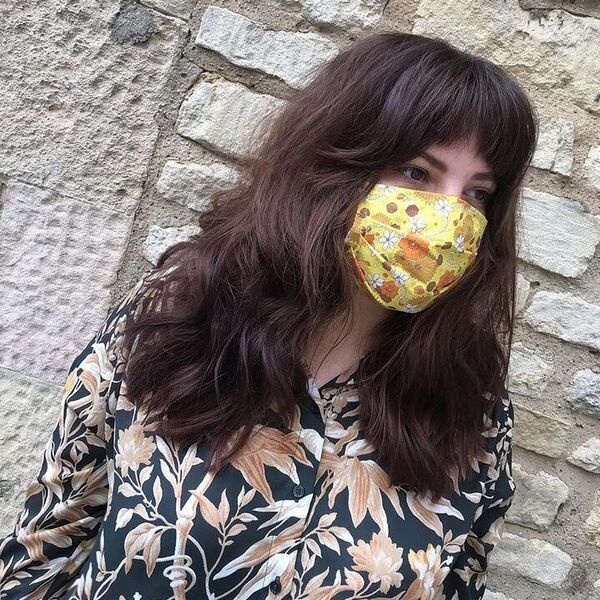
{"points": [[65, 502], [467, 578]]}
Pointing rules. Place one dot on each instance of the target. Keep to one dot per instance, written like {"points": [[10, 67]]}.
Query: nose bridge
{"points": [[451, 184]]}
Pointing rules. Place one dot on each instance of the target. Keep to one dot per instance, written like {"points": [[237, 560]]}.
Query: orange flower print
{"points": [[414, 247], [380, 558], [421, 268], [388, 289]]}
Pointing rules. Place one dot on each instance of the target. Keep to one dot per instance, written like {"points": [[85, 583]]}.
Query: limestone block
{"points": [[343, 13], [177, 8], [591, 166], [556, 49], [291, 56], [587, 456], [528, 372], [58, 261], [522, 293], [581, 7], [78, 103], [584, 392], [534, 559], [192, 184], [554, 150], [565, 316], [489, 595], [540, 433], [30, 409], [592, 523], [538, 499], [160, 238], [224, 116], [556, 233]]}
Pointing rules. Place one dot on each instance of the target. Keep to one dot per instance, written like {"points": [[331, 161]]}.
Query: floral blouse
{"points": [[117, 513]]}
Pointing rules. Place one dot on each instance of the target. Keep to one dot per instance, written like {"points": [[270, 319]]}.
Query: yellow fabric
{"points": [[408, 246]]}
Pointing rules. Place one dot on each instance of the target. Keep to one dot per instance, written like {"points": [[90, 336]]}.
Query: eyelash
{"points": [[423, 171]]}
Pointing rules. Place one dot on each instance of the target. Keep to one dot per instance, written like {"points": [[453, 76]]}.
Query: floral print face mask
{"points": [[409, 246]]}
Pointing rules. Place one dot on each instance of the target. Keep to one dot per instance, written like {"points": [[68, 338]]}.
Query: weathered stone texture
{"points": [[563, 244], [540, 433], [343, 13], [58, 261], [587, 456], [591, 166], [584, 392], [291, 56], [78, 112], [30, 410], [224, 116], [565, 316], [554, 150], [160, 238], [192, 184], [539, 496], [534, 559], [553, 49], [528, 372]]}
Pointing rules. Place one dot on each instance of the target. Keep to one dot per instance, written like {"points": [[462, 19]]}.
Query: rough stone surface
{"points": [[58, 261], [489, 595], [343, 13], [540, 433], [534, 559], [78, 112], [536, 503], [587, 456], [538, 47], [565, 316], [177, 8], [291, 56], [564, 244], [160, 238], [29, 411], [554, 151], [580, 7], [522, 293], [591, 166], [584, 392], [192, 184], [224, 116], [527, 371], [592, 523]]}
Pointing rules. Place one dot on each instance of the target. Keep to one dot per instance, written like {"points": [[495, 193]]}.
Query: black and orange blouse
{"points": [[117, 513]]}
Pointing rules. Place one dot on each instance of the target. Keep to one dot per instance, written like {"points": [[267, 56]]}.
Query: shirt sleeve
{"points": [[65, 502], [467, 577]]}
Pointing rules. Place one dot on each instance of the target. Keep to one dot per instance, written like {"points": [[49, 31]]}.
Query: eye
{"points": [[484, 195], [410, 168]]}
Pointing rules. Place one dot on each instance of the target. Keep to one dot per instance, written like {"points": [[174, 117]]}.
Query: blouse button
{"points": [[275, 585], [298, 491]]}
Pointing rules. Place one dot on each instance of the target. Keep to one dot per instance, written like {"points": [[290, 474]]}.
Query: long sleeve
{"points": [[65, 502], [467, 579]]}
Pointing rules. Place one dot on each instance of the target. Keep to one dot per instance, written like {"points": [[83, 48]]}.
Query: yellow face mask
{"points": [[408, 246]]}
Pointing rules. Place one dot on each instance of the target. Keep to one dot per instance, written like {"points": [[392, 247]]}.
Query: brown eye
{"points": [[421, 175]]}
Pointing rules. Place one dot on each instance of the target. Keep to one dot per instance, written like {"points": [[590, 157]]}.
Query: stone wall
{"points": [[118, 119]]}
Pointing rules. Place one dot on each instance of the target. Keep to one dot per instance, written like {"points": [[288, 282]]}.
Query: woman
{"points": [[306, 400]]}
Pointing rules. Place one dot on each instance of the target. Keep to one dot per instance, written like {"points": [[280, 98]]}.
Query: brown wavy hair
{"points": [[239, 301]]}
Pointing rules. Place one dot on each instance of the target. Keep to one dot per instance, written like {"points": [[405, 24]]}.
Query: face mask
{"points": [[409, 246]]}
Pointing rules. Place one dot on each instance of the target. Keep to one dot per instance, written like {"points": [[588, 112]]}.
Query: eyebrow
{"points": [[438, 164]]}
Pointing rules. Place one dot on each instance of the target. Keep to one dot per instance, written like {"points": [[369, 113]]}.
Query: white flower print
{"points": [[399, 276], [416, 224], [389, 239], [459, 243], [443, 207], [376, 280]]}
